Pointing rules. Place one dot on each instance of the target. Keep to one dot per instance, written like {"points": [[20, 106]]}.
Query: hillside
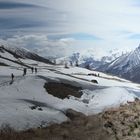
{"points": [[17, 56], [121, 123], [32, 105], [56, 95], [126, 66]]}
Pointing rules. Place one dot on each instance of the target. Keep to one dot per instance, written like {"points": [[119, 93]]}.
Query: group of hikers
{"points": [[24, 72], [94, 74], [32, 70]]}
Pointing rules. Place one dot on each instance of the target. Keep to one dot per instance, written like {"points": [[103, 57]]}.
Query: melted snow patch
{"points": [[106, 98]]}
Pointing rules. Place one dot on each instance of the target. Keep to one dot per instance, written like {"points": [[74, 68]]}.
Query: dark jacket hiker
{"points": [[12, 76]]}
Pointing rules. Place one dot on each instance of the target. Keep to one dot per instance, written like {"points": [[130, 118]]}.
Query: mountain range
{"points": [[13, 55], [89, 57], [126, 66]]}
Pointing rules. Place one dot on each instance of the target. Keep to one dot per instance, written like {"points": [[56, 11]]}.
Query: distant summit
{"points": [[126, 66], [90, 58]]}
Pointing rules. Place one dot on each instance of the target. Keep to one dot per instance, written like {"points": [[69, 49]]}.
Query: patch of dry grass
{"points": [[80, 127], [124, 123]]}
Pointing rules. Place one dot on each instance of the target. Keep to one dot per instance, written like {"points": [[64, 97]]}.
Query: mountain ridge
{"points": [[89, 58], [16, 54], [126, 66]]}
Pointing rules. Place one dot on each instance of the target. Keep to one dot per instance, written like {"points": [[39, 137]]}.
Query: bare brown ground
{"points": [[124, 123], [62, 90], [80, 127]]}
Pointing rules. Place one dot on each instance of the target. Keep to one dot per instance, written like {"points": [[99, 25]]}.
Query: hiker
{"points": [[12, 77], [35, 70], [24, 71], [32, 69]]}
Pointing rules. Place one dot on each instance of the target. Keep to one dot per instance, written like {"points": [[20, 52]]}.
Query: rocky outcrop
{"points": [[123, 123]]}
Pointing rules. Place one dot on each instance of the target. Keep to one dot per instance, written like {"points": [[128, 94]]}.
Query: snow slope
{"points": [[17, 99], [127, 66], [15, 55]]}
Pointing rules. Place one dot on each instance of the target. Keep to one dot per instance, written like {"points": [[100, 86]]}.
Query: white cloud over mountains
{"points": [[40, 44]]}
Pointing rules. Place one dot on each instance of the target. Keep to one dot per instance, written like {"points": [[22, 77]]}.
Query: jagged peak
{"points": [[139, 46]]}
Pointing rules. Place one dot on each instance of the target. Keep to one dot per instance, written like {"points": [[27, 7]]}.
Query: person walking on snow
{"points": [[32, 69], [35, 70], [12, 77], [24, 71]]}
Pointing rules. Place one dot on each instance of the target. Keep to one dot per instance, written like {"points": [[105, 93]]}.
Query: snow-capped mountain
{"points": [[43, 98], [127, 66], [9, 55], [92, 58]]}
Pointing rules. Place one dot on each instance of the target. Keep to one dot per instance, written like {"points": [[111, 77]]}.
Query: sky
{"points": [[61, 27]]}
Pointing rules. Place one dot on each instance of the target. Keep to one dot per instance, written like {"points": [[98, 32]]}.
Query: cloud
{"points": [[15, 5], [76, 36], [31, 17], [134, 36], [91, 23], [40, 44], [15, 23]]}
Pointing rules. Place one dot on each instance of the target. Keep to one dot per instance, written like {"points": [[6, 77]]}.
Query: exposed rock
{"points": [[124, 122], [62, 90], [94, 81], [72, 114]]}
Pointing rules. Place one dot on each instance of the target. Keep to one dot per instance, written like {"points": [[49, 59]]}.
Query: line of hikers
{"points": [[32, 70], [24, 72]]}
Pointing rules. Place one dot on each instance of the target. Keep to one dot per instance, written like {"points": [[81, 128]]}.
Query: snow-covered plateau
{"points": [[25, 103], [17, 99]]}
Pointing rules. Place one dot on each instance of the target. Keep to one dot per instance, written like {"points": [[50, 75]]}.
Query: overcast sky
{"points": [[60, 27]]}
